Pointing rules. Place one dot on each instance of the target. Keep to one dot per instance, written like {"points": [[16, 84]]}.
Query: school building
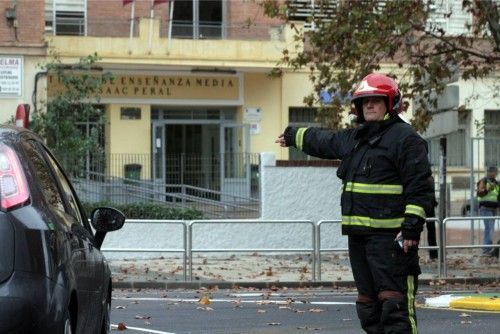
{"points": [[192, 102]]}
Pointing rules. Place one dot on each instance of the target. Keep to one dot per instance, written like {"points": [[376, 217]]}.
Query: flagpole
{"points": [[170, 22], [132, 18], [151, 26]]}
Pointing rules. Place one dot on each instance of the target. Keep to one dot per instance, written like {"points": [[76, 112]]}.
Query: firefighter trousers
{"points": [[386, 279]]}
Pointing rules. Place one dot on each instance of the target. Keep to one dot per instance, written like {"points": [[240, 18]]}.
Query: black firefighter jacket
{"points": [[385, 173]]}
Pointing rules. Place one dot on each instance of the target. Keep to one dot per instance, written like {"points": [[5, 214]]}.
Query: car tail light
{"points": [[13, 185]]}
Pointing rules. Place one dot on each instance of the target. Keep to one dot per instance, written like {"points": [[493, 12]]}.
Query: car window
{"points": [[73, 205], [44, 176], [71, 197]]}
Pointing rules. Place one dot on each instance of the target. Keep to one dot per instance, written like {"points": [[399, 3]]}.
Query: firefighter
{"points": [[386, 193], [488, 192]]}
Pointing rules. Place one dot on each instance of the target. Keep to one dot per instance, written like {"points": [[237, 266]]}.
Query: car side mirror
{"points": [[105, 219]]}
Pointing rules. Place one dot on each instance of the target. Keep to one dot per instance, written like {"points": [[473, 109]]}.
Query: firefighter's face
{"points": [[374, 108]]}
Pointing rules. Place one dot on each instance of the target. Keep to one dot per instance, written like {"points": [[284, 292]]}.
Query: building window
{"points": [[127, 113], [450, 16], [198, 19], [492, 137], [456, 144], [94, 162], [301, 117], [65, 17], [303, 10]]}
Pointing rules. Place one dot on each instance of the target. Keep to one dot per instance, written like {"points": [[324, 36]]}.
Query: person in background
{"points": [[488, 193]]}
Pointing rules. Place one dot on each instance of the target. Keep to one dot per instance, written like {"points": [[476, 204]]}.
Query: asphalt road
{"points": [[267, 312]]}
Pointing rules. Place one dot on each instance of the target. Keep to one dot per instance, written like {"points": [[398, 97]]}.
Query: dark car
{"points": [[53, 277]]}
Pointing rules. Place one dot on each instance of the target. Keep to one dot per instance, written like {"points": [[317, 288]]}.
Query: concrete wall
{"points": [[291, 193], [311, 193]]}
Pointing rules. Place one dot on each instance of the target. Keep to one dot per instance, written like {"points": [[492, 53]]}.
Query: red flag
{"points": [[157, 2], [126, 2]]}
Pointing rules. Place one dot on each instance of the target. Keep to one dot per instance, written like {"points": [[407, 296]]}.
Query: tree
{"points": [[75, 102], [352, 38]]}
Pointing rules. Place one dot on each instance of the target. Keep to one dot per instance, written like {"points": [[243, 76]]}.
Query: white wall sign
{"points": [[253, 116], [11, 76], [254, 128]]}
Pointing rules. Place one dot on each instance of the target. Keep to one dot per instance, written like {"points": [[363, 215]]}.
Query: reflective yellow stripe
{"points": [[415, 210], [410, 282], [387, 116], [367, 188], [372, 222], [299, 138]]}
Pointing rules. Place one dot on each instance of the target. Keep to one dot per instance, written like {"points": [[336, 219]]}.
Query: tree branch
{"points": [[492, 17], [459, 48]]}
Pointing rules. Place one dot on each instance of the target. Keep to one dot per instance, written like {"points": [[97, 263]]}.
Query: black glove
{"points": [[289, 136], [412, 227]]}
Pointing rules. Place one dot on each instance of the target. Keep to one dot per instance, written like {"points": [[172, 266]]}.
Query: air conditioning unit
{"points": [[310, 26]]}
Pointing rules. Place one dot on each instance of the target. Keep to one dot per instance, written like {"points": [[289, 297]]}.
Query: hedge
{"points": [[147, 211]]}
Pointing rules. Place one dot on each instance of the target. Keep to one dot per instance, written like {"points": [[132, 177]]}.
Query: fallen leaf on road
{"points": [[121, 326], [143, 317], [274, 323], [204, 300], [204, 308], [119, 307], [464, 315], [316, 310], [263, 302]]}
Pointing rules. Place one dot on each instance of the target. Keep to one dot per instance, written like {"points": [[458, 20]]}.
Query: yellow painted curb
{"points": [[477, 303]]}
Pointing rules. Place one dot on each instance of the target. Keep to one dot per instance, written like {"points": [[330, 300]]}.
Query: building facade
{"points": [[22, 48], [192, 98], [192, 101]]}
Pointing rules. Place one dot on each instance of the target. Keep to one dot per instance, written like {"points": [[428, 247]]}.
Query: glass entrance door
{"points": [[201, 153], [158, 152], [235, 162]]}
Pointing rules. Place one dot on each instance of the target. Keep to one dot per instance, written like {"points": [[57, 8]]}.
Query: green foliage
{"points": [[147, 211], [58, 119], [354, 38]]}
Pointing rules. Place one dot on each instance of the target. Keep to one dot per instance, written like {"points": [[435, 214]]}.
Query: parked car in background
{"points": [[53, 277]]}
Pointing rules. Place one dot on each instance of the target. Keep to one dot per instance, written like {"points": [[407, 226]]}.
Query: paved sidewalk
{"points": [[262, 270]]}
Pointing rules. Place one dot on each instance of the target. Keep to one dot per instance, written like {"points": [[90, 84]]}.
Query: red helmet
{"points": [[377, 85]]}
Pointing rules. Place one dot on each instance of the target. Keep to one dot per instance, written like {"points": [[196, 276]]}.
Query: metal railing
{"points": [[182, 250], [192, 250], [188, 181], [320, 250], [470, 246], [189, 233], [120, 27]]}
